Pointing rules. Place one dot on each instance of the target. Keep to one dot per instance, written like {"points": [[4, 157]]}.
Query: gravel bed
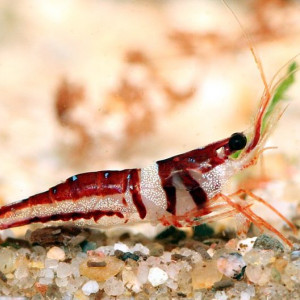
{"points": [[77, 263]]}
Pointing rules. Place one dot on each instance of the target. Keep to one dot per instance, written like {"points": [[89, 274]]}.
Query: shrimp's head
{"points": [[246, 147]]}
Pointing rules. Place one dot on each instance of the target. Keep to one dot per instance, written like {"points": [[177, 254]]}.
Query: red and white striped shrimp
{"points": [[182, 190]]}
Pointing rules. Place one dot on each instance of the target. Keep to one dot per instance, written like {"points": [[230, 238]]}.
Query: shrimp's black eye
{"points": [[237, 141]]}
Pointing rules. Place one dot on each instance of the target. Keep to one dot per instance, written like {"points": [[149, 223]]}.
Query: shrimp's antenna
{"points": [[266, 96], [252, 49]]}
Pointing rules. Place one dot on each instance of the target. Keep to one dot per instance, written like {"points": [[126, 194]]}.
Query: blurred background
{"points": [[94, 85]]}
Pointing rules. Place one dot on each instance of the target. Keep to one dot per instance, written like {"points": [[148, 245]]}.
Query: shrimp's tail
{"points": [[23, 212], [39, 209]]}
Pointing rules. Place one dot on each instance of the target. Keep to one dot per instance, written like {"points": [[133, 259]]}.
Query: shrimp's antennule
{"points": [[252, 49], [266, 97]]}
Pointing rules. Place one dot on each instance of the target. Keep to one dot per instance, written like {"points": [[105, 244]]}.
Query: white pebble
{"points": [[47, 273], [211, 252], [56, 253], [23, 252], [248, 293], [121, 246], [67, 296], [245, 296], [221, 295], [171, 284], [63, 270], [74, 284], [51, 263], [173, 270], [113, 287], [231, 264], [258, 275], [166, 257], [142, 273], [90, 287], [141, 248], [75, 268], [6, 291], [130, 280], [198, 295], [7, 260], [157, 276], [45, 281], [61, 282], [107, 250], [259, 257], [245, 245], [22, 272]]}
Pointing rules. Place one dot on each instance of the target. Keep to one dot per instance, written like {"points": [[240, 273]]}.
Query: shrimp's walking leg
{"points": [[242, 192], [255, 219]]}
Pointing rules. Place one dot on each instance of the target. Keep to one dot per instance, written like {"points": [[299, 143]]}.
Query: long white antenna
{"points": [[252, 49]]}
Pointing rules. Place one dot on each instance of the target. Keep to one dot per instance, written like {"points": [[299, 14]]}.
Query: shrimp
{"points": [[183, 190]]}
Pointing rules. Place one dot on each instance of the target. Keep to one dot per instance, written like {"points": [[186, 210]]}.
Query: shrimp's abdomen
{"points": [[96, 198]]}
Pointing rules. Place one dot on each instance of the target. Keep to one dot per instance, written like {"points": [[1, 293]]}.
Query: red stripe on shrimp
{"points": [[103, 183], [134, 188]]}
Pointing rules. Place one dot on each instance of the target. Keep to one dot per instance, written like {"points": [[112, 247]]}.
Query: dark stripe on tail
{"points": [[96, 215]]}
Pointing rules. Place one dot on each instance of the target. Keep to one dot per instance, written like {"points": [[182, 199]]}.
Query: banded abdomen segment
{"points": [[105, 198]]}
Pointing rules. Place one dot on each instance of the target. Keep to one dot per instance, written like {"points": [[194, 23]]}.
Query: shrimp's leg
{"points": [[255, 219], [242, 192], [198, 216]]}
